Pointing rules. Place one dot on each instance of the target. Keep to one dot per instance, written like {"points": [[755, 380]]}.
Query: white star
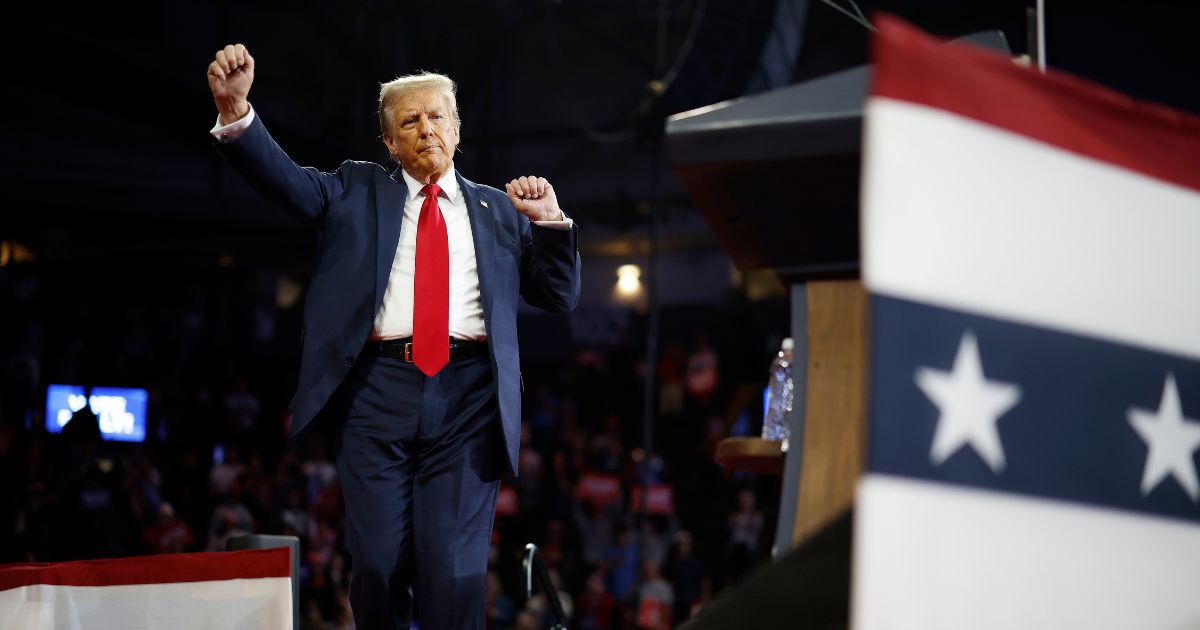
{"points": [[1171, 439], [969, 406]]}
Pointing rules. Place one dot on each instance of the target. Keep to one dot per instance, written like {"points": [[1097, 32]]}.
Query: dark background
{"points": [[105, 144]]}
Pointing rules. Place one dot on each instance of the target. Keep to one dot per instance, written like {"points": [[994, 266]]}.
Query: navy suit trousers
{"points": [[420, 463]]}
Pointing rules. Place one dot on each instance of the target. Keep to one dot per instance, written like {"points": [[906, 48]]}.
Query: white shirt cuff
{"points": [[234, 130], [562, 224]]}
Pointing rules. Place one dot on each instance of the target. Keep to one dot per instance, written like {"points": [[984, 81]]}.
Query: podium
{"points": [[776, 177]]}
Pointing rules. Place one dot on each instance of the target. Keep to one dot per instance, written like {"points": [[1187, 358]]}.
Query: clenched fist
{"points": [[229, 78], [534, 197]]}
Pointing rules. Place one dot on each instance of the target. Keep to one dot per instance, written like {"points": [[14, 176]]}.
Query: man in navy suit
{"points": [[422, 445]]}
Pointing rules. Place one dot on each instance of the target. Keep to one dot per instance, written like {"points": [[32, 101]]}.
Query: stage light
{"points": [[14, 252], [629, 282]]}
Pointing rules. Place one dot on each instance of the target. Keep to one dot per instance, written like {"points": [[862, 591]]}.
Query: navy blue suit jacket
{"points": [[358, 209]]}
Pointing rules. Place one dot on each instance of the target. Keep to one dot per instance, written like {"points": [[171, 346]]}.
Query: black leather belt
{"points": [[402, 348]]}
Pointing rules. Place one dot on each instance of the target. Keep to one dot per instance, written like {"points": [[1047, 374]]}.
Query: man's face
{"points": [[423, 134]]}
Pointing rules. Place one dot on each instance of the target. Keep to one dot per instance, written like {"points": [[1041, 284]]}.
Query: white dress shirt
{"points": [[395, 317]]}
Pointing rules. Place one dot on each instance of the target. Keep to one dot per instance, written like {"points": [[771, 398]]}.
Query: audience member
{"points": [[655, 599], [597, 608], [745, 530], [688, 576], [169, 533]]}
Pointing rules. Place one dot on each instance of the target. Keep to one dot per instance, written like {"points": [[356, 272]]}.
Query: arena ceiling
{"points": [[106, 150]]}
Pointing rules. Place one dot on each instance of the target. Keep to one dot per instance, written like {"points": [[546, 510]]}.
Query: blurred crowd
{"points": [[639, 529]]}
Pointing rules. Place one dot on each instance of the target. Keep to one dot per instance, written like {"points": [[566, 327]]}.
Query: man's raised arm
{"points": [[229, 78]]}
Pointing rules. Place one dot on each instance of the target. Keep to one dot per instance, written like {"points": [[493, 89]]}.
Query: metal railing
{"points": [[531, 563]]}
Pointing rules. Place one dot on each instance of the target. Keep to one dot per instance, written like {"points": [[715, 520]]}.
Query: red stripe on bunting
{"points": [[167, 568], [1054, 107]]}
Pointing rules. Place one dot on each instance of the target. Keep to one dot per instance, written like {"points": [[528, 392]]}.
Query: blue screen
{"points": [[121, 411]]}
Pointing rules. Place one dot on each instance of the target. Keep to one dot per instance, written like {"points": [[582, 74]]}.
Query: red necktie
{"points": [[431, 287]]}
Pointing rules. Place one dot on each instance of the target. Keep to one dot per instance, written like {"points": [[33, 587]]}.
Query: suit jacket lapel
{"points": [[483, 233], [389, 214]]}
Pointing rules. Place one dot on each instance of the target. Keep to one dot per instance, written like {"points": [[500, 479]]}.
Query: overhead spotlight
{"points": [[629, 282]]}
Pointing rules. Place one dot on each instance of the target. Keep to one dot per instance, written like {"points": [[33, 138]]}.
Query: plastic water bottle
{"points": [[779, 397]]}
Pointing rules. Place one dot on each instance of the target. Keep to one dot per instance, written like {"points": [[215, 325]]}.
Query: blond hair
{"points": [[391, 91]]}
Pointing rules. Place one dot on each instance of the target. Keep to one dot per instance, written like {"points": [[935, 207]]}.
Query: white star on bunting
{"points": [[969, 406], [1171, 440]]}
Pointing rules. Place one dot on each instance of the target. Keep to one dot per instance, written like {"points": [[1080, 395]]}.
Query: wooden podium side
{"points": [[834, 440]]}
